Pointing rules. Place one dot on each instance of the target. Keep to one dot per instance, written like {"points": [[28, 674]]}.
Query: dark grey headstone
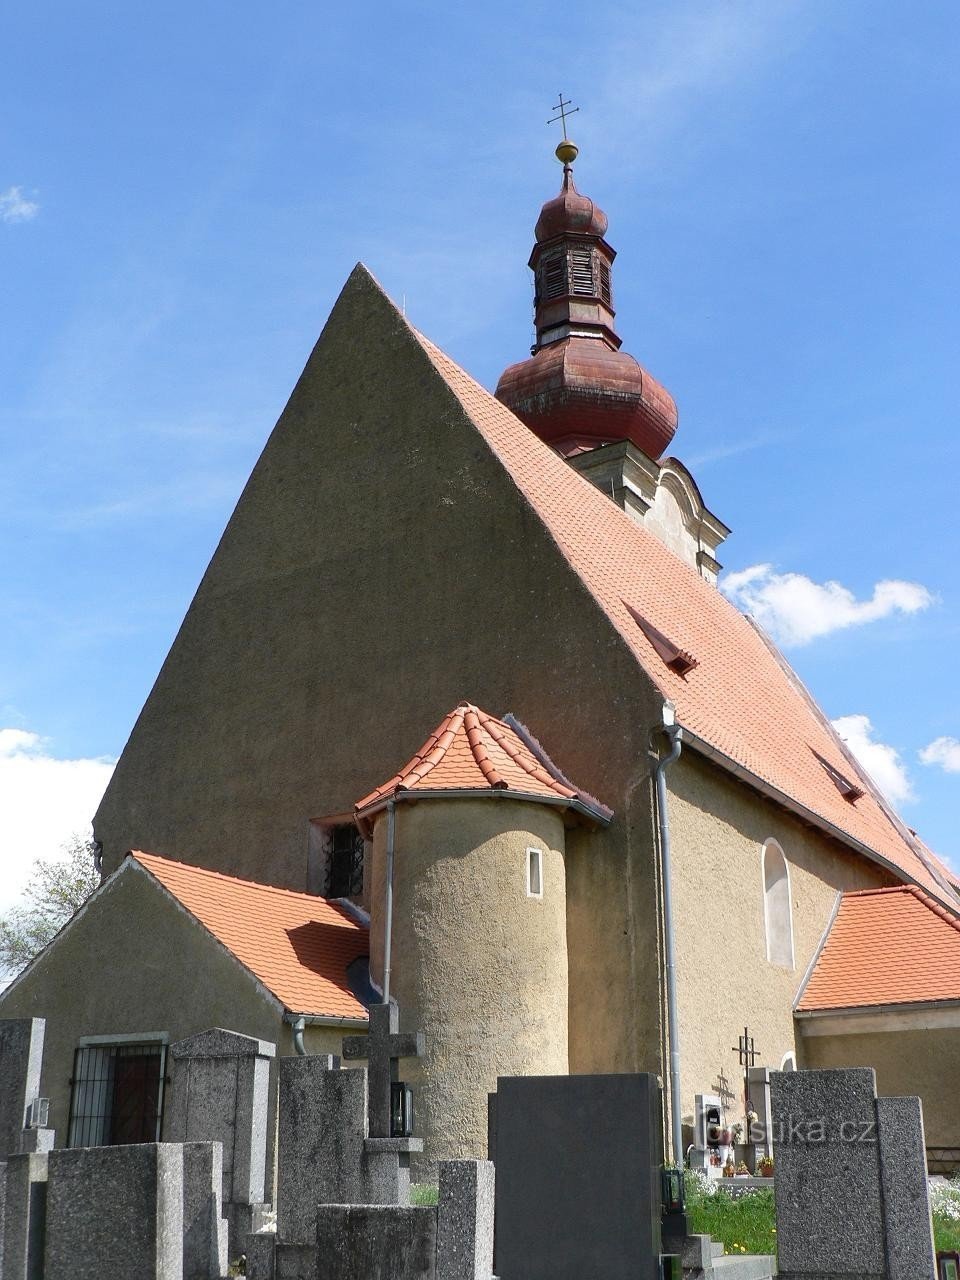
{"points": [[24, 1217], [322, 1125], [375, 1242], [906, 1195], [114, 1213], [828, 1194], [465, 1220], [578, 1163], [21, 1059]]}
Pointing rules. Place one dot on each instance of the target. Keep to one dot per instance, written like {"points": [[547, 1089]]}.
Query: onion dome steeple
{"points": [[578, 390]]}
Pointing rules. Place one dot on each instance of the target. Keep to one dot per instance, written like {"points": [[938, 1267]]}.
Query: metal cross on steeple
{"points": [[562, 113]]}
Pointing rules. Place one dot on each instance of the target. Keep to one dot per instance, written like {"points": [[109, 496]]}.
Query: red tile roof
{"points": [[741, 699], [471, 750], [886, 946], [298, 945]]}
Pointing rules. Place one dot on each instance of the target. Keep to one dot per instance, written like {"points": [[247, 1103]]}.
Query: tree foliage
{"points": [[57, 888]]}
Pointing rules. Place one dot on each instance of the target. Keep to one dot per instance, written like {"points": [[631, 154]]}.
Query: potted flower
{"points": [[737, 1132], [728, 1169], [765, 1167], [742, 1170]]}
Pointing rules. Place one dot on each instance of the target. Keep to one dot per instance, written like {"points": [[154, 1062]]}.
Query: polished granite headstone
{"points": [[578, 1162]]}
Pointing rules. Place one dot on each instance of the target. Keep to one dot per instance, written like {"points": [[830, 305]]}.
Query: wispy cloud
{"points": [[663, 72], [44, 799], [880, 760], [15, 207], [733, 448], [795, 610], [943, 753]]}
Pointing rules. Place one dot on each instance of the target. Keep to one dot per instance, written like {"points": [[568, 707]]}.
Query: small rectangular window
{"points": [[534, 873]]}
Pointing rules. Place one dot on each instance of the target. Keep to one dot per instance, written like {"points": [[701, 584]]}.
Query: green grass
{"points": [[748, 1224], [424, 1193], [744, 1225]]}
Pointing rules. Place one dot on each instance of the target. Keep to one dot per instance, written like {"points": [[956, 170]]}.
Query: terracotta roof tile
{"points": [[471, 750], [741, 699], [886, 946], [298, 945]]}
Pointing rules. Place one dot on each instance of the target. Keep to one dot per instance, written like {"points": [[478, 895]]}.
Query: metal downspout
{"points": [[388, 899], [674, 733], [298, 1029]]}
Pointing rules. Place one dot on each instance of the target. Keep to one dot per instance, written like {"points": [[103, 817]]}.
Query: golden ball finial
{"points": [[567, 152]]}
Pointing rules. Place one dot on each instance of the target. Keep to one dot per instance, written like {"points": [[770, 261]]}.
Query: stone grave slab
{"points": [[114, 1213], [578, 1162]]}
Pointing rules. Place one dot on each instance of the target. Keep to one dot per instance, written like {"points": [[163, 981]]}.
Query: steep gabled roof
{"points": [[296, 944], [740, 700], [885, 947], [471, 750]]}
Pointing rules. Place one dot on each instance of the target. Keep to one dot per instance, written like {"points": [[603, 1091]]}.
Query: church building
{"points": [[459, 715]]}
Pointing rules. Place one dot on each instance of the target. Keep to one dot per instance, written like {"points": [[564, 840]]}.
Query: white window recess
{"points": [[534, 873], [777, 909]]}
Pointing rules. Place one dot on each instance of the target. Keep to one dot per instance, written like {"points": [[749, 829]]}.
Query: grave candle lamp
{"points": [[672, 1191], [401, 1110]]}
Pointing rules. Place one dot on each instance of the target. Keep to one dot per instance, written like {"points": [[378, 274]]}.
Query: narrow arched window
{"points": [[777, 912]]}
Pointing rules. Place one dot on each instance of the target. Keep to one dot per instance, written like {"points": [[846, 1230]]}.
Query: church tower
{"points": [[586, 397]]}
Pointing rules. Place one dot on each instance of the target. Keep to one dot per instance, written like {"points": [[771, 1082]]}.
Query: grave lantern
{"points": [[401, 1110], [671, 1191]]}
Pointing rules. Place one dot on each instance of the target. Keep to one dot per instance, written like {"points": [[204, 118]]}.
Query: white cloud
{"points": [[43, 801], [795, 610], [944, 752], [15, 207], [881, 761]]}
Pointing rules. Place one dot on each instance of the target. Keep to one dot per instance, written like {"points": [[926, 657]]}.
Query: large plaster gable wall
{"points": [[380, 566], [718, 828]]}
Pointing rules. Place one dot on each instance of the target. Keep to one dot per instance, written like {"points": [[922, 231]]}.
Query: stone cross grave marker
{"points": [[383, 1046]]}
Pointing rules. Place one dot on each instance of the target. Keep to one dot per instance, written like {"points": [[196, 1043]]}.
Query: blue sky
{"points": [[184, 189]]}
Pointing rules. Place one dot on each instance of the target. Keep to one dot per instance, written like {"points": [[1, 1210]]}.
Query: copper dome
{"points": [[570, 213], [580, 393]]}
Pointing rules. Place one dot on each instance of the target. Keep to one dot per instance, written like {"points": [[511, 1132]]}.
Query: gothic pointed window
{"points": [[777, 909]]}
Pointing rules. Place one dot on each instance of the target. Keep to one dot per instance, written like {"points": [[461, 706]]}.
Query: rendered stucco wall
{"points": [[725, 981], [135, 962], [478, 966], [924, 1064], [380, 567]]}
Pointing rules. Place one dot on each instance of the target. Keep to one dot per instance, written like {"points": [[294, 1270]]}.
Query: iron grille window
{"points": [[345, 865], [581, 270], [117, 1094], [553, 276]]}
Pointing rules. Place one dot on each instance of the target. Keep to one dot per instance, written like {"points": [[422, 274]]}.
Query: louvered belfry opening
{"points": [[575, 271]]}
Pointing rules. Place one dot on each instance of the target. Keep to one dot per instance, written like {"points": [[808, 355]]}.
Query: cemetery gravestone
{"points": [[114, 1213], [220, 1093], [204, 1227], [851, 1188], [465, 1220], [21, 1058], [25, 1205], [578, 1162]]}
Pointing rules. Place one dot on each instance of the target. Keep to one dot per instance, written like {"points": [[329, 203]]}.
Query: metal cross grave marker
{"points": [[382, 1046]]}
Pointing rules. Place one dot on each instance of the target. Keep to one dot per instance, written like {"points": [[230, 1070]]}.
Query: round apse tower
{"points": [[578, 390], [478, 961]]}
